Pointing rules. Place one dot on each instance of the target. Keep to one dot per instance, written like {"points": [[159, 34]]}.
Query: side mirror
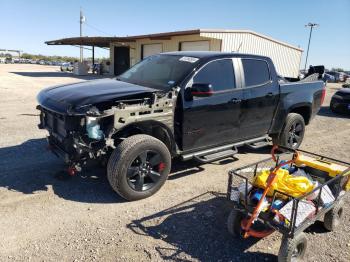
{"points": [[202, 90]]}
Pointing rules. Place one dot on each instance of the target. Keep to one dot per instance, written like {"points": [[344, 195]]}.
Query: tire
{"points": [[331, 106], [130, 169], [234, 223], [293, 249], [292, 133], [334, 216]]}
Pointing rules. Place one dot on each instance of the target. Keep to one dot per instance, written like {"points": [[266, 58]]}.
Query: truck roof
{"points": [[212, 54]]}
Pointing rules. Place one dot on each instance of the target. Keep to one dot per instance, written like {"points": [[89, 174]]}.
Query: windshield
{"points": [[160, 71]]}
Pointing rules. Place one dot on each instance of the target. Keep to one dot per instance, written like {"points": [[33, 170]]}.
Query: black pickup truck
{"points": [[189, 105]]}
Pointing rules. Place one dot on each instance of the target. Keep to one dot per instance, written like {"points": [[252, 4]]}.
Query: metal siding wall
{"points": [[168, 46], [173, 43], [286, 59]]}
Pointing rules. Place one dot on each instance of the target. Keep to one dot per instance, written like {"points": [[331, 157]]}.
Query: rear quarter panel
{"points": [[296, 95]]}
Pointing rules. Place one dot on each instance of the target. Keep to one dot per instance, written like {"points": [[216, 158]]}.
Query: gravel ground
{"points": [[43, 218]]}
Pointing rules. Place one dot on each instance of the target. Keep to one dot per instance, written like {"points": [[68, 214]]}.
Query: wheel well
{"points": [[304, 111], [152, 129]]}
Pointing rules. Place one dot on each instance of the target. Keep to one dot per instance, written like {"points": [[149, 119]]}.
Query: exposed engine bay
{"points": [[82, 137]]}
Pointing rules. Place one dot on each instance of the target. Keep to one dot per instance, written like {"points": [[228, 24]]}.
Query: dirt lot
{"points": [[43, 218]]}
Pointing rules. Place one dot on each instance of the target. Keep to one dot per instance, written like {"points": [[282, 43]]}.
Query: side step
{"points": [[216, 153], [216, 156], [260, 144]]}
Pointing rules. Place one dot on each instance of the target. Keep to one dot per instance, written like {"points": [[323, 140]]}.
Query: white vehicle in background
{"points": [[68, 67]]}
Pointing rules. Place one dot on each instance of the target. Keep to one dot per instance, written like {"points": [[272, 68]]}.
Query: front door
{"points": [[121, 59], [261, 96], [214, 120]]}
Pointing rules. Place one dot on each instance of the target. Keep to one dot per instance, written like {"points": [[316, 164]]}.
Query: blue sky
{"points": [[27, 24]]}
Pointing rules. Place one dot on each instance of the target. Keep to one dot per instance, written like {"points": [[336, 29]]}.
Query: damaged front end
{"points": [[91, 132]]}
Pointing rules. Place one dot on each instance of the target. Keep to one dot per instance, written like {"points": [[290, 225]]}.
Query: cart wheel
{"points": [[333, 217], [293, 249], [234, 223]]}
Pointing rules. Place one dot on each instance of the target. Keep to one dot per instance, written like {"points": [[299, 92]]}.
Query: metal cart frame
{"points": [[291, 230]]}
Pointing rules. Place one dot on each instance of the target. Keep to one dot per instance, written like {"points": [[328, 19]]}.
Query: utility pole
{"points": [[311, 25], [82, 20]]}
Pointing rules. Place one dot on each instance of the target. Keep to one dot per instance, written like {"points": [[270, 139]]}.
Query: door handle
{"points": [[236, 100], [270, 94]]}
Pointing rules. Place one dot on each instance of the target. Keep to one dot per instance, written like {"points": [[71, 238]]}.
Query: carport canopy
{"points": [[98, 41]]}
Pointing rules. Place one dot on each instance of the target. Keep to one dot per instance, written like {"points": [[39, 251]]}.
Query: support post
{"points": [[93, 58], [81, 34]]}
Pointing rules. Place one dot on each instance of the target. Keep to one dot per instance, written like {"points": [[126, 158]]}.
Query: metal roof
{"points": [[210, 54], [99, 41], [106, 41]]}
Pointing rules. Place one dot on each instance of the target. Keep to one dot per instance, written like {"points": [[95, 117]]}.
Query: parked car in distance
{"points": [[8, 60], [67, 67], [188, 105], [339, 76], [328, 78], [340, 102]]}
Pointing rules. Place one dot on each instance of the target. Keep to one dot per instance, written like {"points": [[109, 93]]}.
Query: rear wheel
{"points": [[138, 167], [292, 133], [334, 216], [293, 249]]}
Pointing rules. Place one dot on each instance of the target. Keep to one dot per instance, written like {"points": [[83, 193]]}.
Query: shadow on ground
{"points": [[60, 74], [197, 228], [30, 167], [263, 150], [326, 111]]}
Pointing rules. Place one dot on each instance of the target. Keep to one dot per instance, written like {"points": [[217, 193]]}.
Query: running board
{"points": [[260, 144], [216, 156], [230, 148]]}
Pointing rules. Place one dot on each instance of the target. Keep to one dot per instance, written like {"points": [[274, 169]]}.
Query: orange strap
{"points": [[269, 182]]}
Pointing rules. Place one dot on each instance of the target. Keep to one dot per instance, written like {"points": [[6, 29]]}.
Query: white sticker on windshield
{"points": [[188, 59], [171, 82]]}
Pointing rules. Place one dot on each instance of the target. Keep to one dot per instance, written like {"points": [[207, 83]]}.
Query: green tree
{"points": [[337, 69]]}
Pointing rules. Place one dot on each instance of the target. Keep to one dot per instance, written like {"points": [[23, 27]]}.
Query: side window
{"points": [[256, 72], [217, 73]]}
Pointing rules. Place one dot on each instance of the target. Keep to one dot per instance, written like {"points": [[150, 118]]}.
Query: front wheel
{"points": [[234, 223], [138, 167], [292, 133], [293, 249]]}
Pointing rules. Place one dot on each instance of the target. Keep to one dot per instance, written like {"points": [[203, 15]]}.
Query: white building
{"points": [[127, 51]]}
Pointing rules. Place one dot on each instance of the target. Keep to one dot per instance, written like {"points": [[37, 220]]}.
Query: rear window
{"points": [[256, 72]]}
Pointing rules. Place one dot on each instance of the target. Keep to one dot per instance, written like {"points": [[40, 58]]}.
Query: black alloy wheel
{"points": [[145, 170], [138, 167], [295, 134]]}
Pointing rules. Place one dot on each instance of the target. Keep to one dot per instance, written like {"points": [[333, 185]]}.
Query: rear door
{"points": [[214, 120], [261, 95]]}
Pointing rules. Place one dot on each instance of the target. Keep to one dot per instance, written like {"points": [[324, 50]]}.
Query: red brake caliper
{"points": [[161, 166]]}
